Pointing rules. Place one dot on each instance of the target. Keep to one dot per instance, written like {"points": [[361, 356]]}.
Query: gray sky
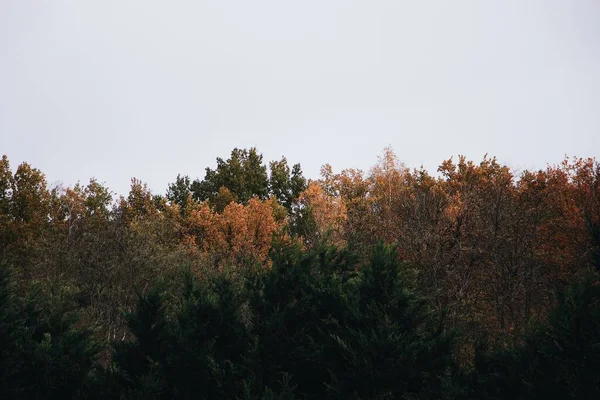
{"points": [[116, 89]]}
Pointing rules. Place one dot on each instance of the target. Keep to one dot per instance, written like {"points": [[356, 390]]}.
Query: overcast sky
{"points": [[150, 89]]}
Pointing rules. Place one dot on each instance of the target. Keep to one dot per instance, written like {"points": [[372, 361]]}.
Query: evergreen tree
{"points": [[42, 354], [197, 352], [342, 334], [390, 345], [558, 359], [313, 326]]}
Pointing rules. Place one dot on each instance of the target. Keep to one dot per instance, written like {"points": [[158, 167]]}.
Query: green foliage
{"points": [[390, 345], [284, 184], [290, 317], [244, 175], [313, 326], [240, 178], [196, 353], [303, 224], [180, 191], [42, 353], [559, 359], [317, 325]]}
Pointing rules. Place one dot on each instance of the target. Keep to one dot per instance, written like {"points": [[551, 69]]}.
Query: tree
{"points": [[139, 203], [199, 352], [284, 184], [180, 192], [319, 217], [557, 359], [243, 174], [223, 199], [390, 345], [340, 333], [43, 354], [312, 326], [29, 195], [237, 234], [29, 206], [6, 220]]}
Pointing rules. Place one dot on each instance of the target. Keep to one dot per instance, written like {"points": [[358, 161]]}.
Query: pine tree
{"points": [[42, 353], [197, 350], [558, 359], [315, 325], [342, 334], [389, 345]]}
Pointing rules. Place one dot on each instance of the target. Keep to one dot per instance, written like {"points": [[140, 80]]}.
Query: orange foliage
{"points": [[240, 232], [328, 212], [488, 246]]}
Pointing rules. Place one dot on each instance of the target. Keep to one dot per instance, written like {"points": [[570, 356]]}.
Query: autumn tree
{"points": [[237, 234], [484, 241], [319, 217], [28, 203], [584, 176], [30, 196], [388, 180], [108, 252], [223, 199]]}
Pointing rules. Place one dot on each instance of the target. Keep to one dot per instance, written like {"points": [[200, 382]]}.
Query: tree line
{"points": [[255, 282]]}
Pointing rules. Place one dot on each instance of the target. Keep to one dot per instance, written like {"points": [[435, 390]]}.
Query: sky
{"points": [[151, 89]]}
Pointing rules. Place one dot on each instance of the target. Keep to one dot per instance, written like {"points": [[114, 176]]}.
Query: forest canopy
{"points": [[257, 283]]}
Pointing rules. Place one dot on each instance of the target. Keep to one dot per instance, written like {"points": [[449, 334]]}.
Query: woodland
{"points": [[253, 282]]}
